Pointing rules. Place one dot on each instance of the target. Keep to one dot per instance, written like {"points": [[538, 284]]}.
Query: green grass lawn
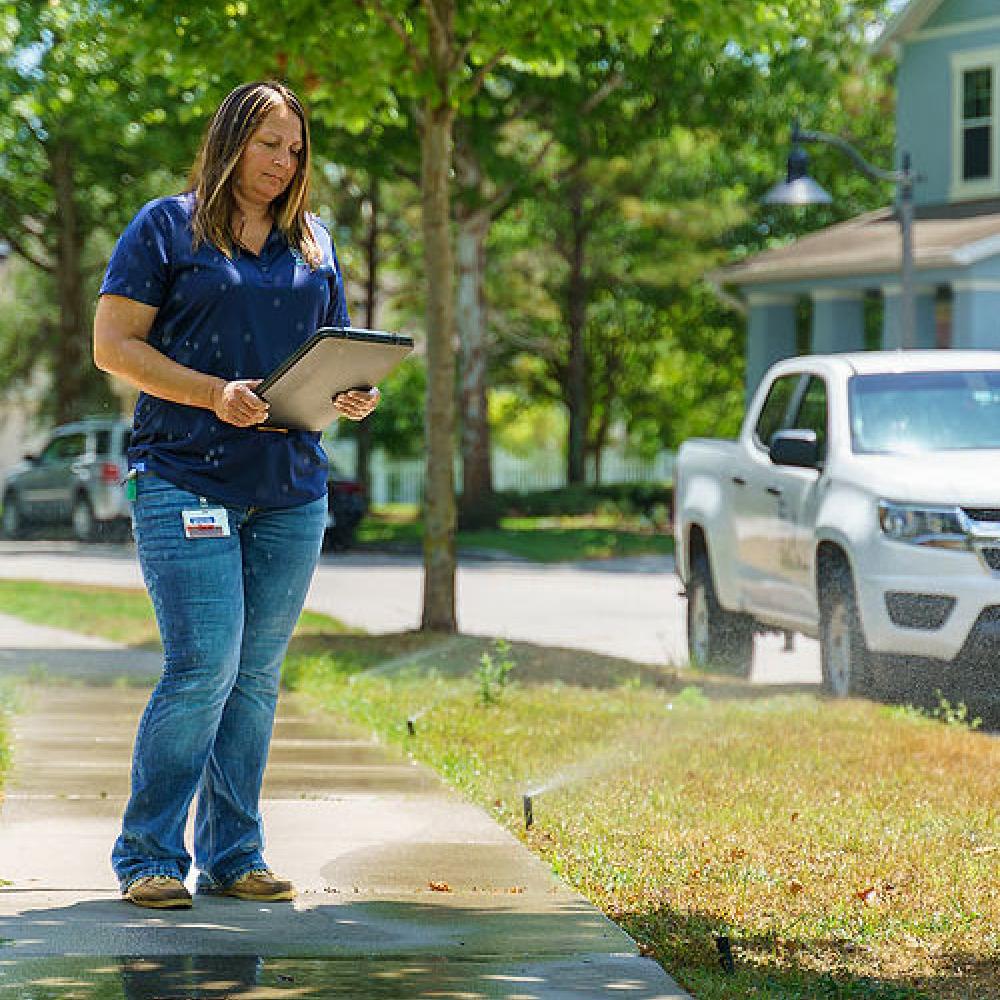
{"points": [[540, 539], [116, 613], [8, 704], [848, 850]]}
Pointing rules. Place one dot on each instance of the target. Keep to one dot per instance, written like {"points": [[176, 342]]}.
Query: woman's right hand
{"points": [[235, 403]]}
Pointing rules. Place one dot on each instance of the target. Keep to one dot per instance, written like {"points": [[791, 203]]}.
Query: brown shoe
{"points": [[260, 886], [159, 892]]}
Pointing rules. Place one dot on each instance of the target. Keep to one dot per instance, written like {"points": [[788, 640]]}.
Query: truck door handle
{"points": [[774, 491], [739, 481]]}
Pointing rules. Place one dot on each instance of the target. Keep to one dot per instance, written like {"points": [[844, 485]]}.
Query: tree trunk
{"points": [[364, 427], [576, 311], [477, 508], [439, 501], [77, 380]]}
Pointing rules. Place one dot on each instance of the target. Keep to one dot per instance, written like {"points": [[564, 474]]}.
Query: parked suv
{"points": [[74, 480]]}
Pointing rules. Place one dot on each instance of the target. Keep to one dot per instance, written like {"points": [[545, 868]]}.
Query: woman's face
{"points": [[271, 157]]}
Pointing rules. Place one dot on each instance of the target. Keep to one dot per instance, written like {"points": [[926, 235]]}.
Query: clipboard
{"points": [[300, 390]]}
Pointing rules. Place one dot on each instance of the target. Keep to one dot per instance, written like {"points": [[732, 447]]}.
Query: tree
{"points": [[78, 123], [438, 54], [653, 186]]}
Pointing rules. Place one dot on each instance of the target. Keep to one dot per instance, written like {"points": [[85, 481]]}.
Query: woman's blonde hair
{"points": [[212, 175]]}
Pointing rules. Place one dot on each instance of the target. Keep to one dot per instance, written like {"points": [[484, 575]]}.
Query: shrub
{"points": [[653, 500]]}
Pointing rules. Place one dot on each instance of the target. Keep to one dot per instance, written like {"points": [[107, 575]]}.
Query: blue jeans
{"points": [[226, 608]]}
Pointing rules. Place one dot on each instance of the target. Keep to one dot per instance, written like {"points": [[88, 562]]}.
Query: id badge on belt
{"points": [[205, 522]]}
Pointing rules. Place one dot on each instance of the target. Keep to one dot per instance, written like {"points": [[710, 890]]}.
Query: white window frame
{"points": [[962, 63]]}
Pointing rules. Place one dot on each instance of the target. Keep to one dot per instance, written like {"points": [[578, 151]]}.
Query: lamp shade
{"points": [[798, 188], [801, 191]]}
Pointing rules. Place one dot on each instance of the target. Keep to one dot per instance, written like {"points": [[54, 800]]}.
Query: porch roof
{"points": [[943, 237], [907, 20]]}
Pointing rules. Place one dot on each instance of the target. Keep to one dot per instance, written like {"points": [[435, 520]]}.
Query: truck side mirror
{"points": [[796, 447]]}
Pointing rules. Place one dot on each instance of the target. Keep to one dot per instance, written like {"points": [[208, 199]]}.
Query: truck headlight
{"points": [[940, 527]]}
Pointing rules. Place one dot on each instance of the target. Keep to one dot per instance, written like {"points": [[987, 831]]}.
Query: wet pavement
{"points": [[360, 828]]}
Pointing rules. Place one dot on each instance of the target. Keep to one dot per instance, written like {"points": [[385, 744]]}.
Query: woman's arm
{"points": [[121, 327]]}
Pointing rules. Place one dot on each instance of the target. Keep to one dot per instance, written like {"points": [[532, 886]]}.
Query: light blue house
{"points": [[948, 54]]}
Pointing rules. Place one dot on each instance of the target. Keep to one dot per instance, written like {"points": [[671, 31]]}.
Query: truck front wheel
{"points": [[716, 637], [848, 664]]}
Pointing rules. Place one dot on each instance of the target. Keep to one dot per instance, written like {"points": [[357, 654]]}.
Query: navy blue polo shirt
{"points": [[235, 318]]}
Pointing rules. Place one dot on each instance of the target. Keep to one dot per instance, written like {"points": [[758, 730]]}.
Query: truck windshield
{"points": [[913, 412]]}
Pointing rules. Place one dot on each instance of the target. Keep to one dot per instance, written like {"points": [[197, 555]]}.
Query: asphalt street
{"points": [[626, 607]]}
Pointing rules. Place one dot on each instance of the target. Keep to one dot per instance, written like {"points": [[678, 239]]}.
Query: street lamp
{"points": [[800, 189]]}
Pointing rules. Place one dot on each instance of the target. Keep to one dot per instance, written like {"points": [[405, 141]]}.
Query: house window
{"points": [[977, 124], [975, 142]]}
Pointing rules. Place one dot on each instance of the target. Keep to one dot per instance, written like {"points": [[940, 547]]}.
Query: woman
{"points": [[205, 293]]}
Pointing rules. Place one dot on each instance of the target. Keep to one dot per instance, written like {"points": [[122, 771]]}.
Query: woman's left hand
{"points": [[356, 404]]}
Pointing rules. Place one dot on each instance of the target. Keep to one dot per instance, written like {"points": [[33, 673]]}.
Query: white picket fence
{"points": [[402, 481]]}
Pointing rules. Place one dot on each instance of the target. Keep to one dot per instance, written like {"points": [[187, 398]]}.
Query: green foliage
{"points": [[952, 714], [493, 672], [397, 424], [641, 134], [81, 148], [618, 498], [27, 317]]}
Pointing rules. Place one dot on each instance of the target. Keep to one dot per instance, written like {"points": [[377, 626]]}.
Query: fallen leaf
{"points": [[795, 816], [439, 886], [868, 896], [794, 885]]}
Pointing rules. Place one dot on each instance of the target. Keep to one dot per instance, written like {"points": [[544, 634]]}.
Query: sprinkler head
{"points": [[411, 727], [725, 954], [528, 817]]}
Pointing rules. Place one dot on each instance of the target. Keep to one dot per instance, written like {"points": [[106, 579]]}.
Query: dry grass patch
{"points": [[847, 849]]}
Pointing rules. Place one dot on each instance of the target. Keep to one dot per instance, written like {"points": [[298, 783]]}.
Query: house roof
{"points": [[907, 20], [944, 236]]}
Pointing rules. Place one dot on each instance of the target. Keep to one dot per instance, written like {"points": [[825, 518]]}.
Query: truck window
{"points": [[812, 415], [775, 409]]}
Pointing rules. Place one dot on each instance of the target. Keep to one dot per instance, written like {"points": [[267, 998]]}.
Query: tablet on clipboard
{"points": [[300, 390]]}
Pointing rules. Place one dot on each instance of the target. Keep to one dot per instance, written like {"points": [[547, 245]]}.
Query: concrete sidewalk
{"points": [[361, 829]]}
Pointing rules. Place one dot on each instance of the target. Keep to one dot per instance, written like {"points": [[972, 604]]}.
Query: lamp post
{"points": [[800, 189]]}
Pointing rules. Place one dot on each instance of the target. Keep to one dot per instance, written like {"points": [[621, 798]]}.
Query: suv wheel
{"points": [[83, 520], [716, 637], [12, 523], [848, 665]]}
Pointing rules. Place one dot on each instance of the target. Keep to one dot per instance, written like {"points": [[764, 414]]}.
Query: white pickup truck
{"points": [[860, 506]]}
